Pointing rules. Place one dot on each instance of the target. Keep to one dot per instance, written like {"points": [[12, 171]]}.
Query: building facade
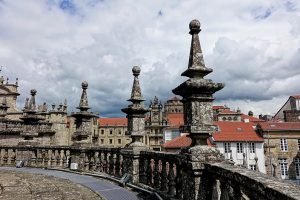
{"points": [[282, 148]]}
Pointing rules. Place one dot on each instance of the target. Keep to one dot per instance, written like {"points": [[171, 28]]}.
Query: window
{"points": [[239, 147], [120, 132], [224, 118], [298, 144], [283, 167], [119, 141], [235, 118], [229, 118], [102, 141], [110, 141], [102, 131], [283, 145], [227, 147], [110, 132], [252, 147], [253, 167]]}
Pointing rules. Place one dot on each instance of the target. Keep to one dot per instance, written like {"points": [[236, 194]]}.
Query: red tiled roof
{"points": [[236, 131], [251, 118], [112, 121], [280, 126], [227, 111], [178, 142], [181, 142], [296, 96], [218, 107]]}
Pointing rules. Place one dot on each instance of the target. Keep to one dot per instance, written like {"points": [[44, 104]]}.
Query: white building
{"points": [[239, 142]]}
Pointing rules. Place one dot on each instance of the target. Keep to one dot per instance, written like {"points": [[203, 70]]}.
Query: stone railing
{"points": [[171, 175], [162, 172], [225, 181], [105, 160]]}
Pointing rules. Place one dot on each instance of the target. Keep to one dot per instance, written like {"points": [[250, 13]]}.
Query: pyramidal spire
{"points": [[196, 67], [136, 94], [84, 104], [32, 105]]}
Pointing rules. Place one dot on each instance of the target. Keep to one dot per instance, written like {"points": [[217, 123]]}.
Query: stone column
{"points": [[197, 94], [136, 128]]}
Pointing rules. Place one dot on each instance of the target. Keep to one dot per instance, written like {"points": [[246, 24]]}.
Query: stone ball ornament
{"points": [[33, 92], [195, 26], [136, 70], [84, 85]]}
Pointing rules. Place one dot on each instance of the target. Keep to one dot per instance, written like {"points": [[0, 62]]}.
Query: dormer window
{"points": [[239, 129]]}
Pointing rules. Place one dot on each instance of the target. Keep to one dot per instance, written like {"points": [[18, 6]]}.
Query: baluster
{"points": [[68, 159], [49, 155], [57, 158], [5, 156], [111, 164], [156, 175], [149, 172], [171, 177], [9, 153], [143, 177], [86, 162], [1, 156], [33, 159], [97, 161], [38, 158], [105, 163], [62, 157], [178, 181], [53, 159], [121, 165], [13, 156], [92, 163], [101, 157], [117, 165], [164, 176], [225, 189]]}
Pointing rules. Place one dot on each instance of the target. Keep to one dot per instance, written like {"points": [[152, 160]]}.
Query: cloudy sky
{"points": [[54, 45]]}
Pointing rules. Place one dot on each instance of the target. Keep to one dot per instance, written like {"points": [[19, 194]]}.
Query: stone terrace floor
{"points": [[40, 184]]}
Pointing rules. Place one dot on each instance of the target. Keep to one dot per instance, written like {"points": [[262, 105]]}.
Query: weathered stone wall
{"points": [[291, 115]]}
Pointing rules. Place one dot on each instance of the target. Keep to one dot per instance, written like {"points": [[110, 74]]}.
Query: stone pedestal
{"points": [[193, 177]]}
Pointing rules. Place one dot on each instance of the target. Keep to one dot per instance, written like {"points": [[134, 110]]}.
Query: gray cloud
{"points": [[54, 45]]}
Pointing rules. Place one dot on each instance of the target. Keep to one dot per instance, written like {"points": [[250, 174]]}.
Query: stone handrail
{"points": [[172, 175], [225, 181]]}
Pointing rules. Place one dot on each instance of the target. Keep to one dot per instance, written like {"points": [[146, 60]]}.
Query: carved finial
{"points": [[26, 106], [45, 107], [136, 93], [65, 105], [17, 81], [32, 105], [155, 100], [7, 80], [84, 104], [1, 80], [53, 106], [196, 67]]}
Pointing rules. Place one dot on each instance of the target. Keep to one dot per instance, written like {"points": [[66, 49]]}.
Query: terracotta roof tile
{"points": [[251, 118], [181, 142], [236, 131], [296, 96], [112, 121], [280, 126], [218, 107]]}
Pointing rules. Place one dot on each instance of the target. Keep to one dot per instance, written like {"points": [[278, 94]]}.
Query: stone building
{"points": [[282, 148], [173, 105], [112, 132], [290, 111], [38, 125]]}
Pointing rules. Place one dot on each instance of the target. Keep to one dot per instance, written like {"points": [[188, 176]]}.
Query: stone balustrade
{"points": [[169, 174], [162, 172]]}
